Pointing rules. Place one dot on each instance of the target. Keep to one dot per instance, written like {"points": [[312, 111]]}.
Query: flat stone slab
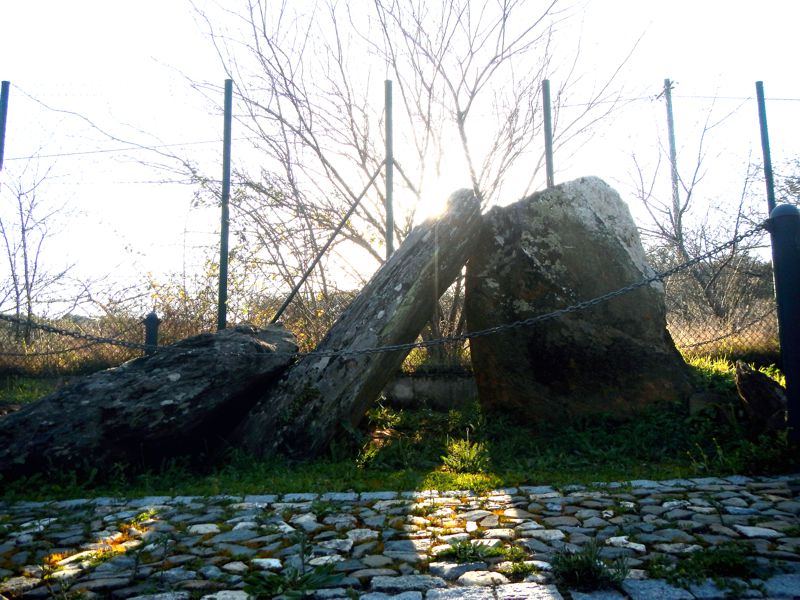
{"points": [[654, 589], [406, 583], [783, 586], [601, 595]]}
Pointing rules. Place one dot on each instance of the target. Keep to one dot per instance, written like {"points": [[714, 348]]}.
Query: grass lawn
{"points": [[458, 449]]}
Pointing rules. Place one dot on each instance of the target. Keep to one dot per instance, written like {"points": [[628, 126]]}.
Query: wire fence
{"points": [[748, 327], [733, 314]]}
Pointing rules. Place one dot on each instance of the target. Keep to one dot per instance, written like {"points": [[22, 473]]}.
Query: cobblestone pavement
{"points": [[394, 545]]}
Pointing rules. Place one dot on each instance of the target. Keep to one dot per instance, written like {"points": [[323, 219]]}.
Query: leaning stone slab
{"points": [[185, 398], [322, 395], [554, 249]]}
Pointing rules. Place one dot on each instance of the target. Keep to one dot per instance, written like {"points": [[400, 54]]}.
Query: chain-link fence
{"points": [[734, 316]]}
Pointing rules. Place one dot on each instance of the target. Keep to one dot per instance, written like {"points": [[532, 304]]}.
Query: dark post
{"points": [[4, 88], [762, 120], [389, 170], [784, 226], [548, 133], [222, 308], [151, 323]]}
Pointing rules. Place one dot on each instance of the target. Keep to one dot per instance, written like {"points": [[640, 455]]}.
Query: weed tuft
{"points": [[585, 571], [464, 456]]}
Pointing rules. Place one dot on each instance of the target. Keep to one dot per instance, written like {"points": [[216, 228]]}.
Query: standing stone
{"points": [[321, 393], [553, 249], [763, 399], [184, 399]]}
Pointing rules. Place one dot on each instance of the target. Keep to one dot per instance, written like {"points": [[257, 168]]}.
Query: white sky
{"points": [[126, 66]]}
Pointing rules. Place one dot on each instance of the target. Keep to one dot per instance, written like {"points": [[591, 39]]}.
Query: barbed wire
{"points": [[455, 339]]}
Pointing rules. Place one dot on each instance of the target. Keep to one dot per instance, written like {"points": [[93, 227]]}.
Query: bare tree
{"points": [[25, 228], [468, 75], [729, 290]]}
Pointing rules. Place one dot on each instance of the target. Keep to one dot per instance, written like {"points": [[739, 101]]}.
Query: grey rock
{"points": [[783, 586], [400, 596], [301, 415], [405, 583], [185, 398], [654, 589], [447, 570], [569, 243], [462, 593], [482, 578], [233, 536], [599, 595], [757, 532], [164, 596]]}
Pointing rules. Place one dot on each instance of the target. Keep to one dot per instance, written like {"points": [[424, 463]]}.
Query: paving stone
{"points": [[546, 535], [401, 596], [482, 578], [757, 532], [783, 586], [405, 583], [668, 519], [530, 591], [462, 593], [242, 535], [164, 596], [599, 595], [450, 571], [654, 589]]}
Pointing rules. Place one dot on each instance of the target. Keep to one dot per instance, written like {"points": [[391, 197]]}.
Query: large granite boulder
{"points": [[185, 399], [553, 249]]}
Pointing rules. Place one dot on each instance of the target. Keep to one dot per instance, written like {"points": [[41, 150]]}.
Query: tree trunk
{"points": [[322, 393]]}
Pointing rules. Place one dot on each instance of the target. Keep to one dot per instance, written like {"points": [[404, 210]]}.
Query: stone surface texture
{"points": [[321, 394], [554, 249], [187, 397], [150, 548]]}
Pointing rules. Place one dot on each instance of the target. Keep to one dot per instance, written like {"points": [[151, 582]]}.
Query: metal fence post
{"points": [[784, 227], [548, 133], [4, 88], [151, 323]]}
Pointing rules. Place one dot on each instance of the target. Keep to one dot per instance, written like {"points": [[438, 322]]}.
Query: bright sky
{"points": [[127, 67]]}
